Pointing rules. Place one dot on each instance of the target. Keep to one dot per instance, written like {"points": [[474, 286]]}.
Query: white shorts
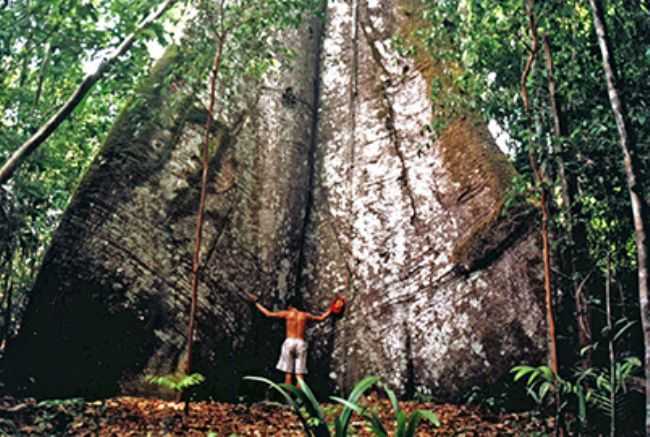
{"points": [[293, 358]]}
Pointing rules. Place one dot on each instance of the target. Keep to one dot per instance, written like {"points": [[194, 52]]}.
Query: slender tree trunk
{"points": [[577, 258], [64, 112], [6, 327], [610, 343], [639, 209], [540, 180], [41, 73], [548, 286], [541, 183], [196, 261]]}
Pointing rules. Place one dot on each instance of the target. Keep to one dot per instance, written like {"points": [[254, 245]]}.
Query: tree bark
{"points": [[639, 209], [66, 110]]}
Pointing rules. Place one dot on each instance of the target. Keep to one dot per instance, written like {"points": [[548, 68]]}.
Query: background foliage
{"points": [[46, 48], [485, 45]]}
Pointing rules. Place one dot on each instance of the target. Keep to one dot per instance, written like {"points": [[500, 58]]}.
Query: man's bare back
{"points": [[296, 322], [296, 319]]}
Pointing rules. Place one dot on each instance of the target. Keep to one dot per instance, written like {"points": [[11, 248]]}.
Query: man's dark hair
{"points": [[296, 301]]}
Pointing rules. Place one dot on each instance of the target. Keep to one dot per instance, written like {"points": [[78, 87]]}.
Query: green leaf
{"points": [[392, 397], [348, 404], [415, 419], [311, 403], [315, 415], [358, 390], [547, 372], [376, 425], [624, 329], [338, 429], [543, 389], [176, 381], [520, 372], [400, 418], [277, 388]]}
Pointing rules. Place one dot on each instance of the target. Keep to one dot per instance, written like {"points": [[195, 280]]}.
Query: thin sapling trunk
{"points": [[541, 184], [639, 208], [196, 260]]}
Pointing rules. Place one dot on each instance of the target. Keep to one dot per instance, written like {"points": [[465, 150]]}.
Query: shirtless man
{"points": [[293, 358]]}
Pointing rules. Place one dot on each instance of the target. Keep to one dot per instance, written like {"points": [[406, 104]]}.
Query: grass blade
{"points": [[312, 406], [376, 425]]}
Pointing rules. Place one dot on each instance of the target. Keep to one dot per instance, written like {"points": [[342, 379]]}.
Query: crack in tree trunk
{"points": [[390, 125], [311, 157]]}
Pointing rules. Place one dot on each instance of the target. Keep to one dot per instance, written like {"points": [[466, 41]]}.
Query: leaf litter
{"points": [[133, 416]]}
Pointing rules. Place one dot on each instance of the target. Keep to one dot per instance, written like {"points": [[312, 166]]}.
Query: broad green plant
{"points": [[542, 381], [405, 424], [610, 400], [591, 386], [304, 404], [177, 382], [311, 415]]}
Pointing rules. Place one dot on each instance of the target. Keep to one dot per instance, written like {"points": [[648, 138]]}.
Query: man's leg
{"points": [[300, 368], [287, 378]]}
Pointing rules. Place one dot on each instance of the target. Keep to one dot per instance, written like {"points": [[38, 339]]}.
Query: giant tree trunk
{"points": [[329, 184]]}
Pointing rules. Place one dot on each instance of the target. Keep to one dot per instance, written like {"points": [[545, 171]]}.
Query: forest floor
{"points": [[129, 416]]}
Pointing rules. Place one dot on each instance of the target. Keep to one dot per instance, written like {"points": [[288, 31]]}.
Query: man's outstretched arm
{"points": [[274, 314], [322, 317], [248, 297]]}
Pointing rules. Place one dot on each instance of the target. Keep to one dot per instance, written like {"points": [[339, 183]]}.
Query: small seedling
{"points": [[177, 382]]}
